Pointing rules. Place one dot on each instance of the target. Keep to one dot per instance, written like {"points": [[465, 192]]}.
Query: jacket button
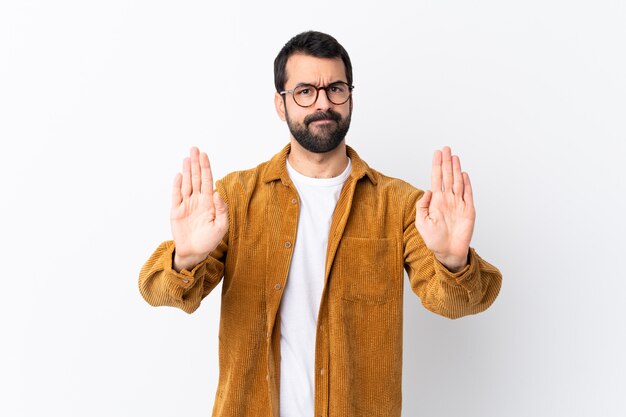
{"points": [[186, 281], [294, 201], [277, 286], [287, 244]]}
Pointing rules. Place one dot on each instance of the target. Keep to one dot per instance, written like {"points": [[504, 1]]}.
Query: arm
{"points": [[448, 275], [450, 294], [161, 285], [182, 272]]}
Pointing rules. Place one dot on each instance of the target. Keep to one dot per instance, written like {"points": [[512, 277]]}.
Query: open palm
{"points": [[445, 215], [199, 216]]}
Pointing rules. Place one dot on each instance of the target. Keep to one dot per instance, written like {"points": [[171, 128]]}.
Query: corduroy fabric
{"points": [[372, 241]]}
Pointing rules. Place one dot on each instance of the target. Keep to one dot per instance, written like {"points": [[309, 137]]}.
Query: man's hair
{"points": [[317, 44]]}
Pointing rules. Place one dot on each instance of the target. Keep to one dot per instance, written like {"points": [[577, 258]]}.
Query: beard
{"points": [[328, 136]]}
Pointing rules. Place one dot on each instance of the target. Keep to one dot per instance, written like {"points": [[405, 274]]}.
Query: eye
{"points": [[303, 91], [337, 88]]}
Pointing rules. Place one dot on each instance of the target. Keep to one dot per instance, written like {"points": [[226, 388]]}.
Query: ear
{"points": [[279, 103]]}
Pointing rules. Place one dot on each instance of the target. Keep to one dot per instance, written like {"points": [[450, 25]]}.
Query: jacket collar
{"points": [[277, 167]]}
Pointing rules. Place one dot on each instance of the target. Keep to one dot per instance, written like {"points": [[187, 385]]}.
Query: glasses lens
{"points": [[338, 93], [305, 95]]}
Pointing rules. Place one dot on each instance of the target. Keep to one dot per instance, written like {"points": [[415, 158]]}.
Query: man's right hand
{"points": [[199, 216]]}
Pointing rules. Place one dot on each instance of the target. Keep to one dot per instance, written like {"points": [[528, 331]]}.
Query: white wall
{"points": [[100, 101]]}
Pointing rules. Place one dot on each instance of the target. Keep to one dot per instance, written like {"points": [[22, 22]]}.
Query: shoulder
{"points": [[243, 183], [375, 183], [397, 196], [392, 186], [383, 200]]}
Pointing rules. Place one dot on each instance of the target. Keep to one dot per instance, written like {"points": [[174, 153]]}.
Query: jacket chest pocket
{"points": [[366, 270]]}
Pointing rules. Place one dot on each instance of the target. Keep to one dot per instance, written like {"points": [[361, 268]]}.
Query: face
{"points": [[322, 126]]}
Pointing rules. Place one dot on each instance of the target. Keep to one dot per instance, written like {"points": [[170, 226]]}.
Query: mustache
{"points": [[327, 115]]}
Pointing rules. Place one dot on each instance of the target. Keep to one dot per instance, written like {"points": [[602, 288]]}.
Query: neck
{"points": [[318, 165]]}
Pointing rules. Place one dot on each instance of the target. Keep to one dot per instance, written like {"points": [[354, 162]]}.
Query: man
{"points": [[312, 246]]}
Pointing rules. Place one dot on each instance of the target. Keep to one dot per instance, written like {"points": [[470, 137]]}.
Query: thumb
{"points": [[422, 205], [220, 204], [221, 212]]}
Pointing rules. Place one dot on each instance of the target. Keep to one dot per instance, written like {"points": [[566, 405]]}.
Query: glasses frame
{"points": [[317, 93]]}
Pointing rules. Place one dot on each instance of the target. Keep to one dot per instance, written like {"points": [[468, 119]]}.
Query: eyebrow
{"points": [[300, 84]]}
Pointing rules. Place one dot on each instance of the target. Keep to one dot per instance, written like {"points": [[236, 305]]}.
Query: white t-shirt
{"points": [[300, 304]]}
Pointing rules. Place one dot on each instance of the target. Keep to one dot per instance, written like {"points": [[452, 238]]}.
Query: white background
{"points": [[101, 100]]}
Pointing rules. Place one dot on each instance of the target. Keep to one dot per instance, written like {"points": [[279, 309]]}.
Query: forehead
{"points": [[302, 68]]}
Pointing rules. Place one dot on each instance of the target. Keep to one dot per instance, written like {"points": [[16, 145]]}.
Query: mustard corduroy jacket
{"points": [[372, 241]]}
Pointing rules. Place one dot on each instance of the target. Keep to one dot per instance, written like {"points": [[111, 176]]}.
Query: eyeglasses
{"points": [[306, 94]]}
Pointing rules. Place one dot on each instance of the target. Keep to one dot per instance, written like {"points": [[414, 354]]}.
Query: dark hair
{"points": [[317, 44]]}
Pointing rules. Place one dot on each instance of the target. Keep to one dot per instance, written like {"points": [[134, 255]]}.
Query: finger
{"points": [[186, 184], [457, 186], [220, 204], [177, 197], [435, 178], [221, 211], [195, 170], [207, 176], [468, 196], [446, 168], [422, 206]]}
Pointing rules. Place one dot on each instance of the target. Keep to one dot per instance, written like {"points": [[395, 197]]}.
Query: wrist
{"points": [[185, 262], [453, 263]]}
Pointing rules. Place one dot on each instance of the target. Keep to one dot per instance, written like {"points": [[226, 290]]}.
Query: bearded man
{"points": [[312, 246]]}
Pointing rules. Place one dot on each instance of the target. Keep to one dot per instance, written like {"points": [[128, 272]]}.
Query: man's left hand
{"points": [[445, 215]]}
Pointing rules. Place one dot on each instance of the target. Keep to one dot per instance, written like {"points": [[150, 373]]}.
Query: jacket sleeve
{"points": [[161, 285], [468, 291]]}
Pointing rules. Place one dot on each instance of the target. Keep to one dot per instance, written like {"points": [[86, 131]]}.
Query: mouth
{"points": [[322, 122], [322, 118]]}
